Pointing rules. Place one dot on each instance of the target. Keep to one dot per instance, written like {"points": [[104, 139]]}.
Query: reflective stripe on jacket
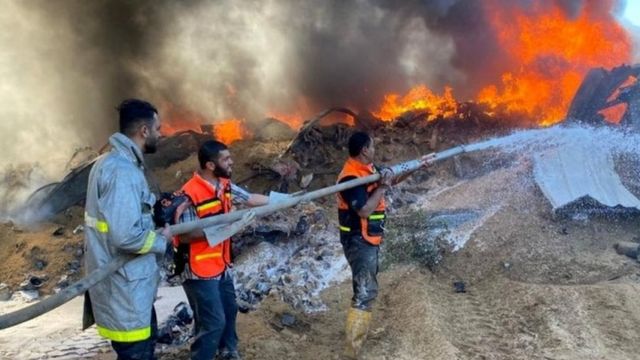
{"points": [[206, 261], [371, 227], [118, 221]]}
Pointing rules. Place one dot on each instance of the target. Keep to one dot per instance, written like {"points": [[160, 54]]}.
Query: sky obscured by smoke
{"points": [[628, 11], [60, 81], [65, 64]]}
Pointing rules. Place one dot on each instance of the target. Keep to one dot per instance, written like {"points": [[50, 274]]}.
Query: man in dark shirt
{"points": [[361, 215]]}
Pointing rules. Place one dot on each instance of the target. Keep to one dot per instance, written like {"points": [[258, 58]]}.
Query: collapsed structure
{"points": [[579, 174]]}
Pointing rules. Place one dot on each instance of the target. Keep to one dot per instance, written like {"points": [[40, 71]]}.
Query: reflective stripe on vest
{"points": [[125, 335], [208, 256], [208, 206]]}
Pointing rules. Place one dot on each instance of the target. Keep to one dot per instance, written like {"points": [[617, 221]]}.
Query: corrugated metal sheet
{"points": [[570, 173]]}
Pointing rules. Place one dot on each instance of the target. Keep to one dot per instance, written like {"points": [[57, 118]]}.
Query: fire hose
{"points": [[81, 286]]}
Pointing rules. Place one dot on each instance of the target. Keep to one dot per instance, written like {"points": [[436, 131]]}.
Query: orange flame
{"points": [[614, 114], [230, 130], [173, 126], [548, 56], [294, 121], [551, 53], [175, 119], [630, 81], [418, 98]]}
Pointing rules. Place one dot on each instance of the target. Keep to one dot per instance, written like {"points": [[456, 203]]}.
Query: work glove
{"points": [[277, 197], [218, 233]]}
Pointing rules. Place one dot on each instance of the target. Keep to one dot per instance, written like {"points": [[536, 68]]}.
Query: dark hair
{"points": [[209, 151], [133, 112], [358, 141]]}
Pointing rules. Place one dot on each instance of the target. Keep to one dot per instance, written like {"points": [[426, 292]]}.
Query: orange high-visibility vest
{"points": [[204, 260], [371, 227]]}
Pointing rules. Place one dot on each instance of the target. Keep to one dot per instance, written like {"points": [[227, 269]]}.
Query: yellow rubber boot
{"points": [[356, 331]]}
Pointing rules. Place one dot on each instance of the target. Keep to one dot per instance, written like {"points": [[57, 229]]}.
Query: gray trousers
{"points": [[363, 260]]}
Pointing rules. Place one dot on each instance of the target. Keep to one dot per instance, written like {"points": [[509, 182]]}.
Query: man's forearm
{"points": [[257, 200], [372, 202]]}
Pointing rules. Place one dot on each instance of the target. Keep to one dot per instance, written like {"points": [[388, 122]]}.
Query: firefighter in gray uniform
{"points": [[119, 222]]}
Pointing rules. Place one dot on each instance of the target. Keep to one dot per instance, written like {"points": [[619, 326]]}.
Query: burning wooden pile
{"points": [[317, 148]]}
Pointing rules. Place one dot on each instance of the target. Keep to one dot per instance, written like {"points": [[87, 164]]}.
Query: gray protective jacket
{"points": [[118, 221]]}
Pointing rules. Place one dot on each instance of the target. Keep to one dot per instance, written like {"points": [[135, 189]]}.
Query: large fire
{"points": [[176, 119], [552, 53], [544, 56], [418, 98], [228, 131], [549, 54]]}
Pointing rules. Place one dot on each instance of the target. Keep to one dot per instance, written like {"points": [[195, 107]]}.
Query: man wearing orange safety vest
{"points": [[208, 282], [361, 217]]}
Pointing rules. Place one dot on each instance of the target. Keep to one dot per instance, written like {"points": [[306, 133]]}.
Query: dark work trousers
{"points": [[214, 310], [363, 260], [139, 350]]}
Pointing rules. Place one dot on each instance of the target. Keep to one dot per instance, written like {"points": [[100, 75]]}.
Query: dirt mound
{"points": [[52, 251]]}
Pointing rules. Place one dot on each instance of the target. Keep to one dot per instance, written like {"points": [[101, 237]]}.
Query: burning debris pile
{"points": [[612, 96]]}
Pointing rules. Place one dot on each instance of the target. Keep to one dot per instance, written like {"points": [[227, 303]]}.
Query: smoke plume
{"points": [[66, 64]]}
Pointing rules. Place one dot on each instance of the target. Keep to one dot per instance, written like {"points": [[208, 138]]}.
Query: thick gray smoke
{"points": [[249, 58], [245, 59], [65, 64], [62, 74]]}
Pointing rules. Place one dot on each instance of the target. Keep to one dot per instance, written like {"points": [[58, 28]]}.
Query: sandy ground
{"points": [[537, 287]]}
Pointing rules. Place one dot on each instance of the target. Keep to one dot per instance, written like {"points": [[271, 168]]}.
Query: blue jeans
{"points": [[214, 310], [139, 350]]}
